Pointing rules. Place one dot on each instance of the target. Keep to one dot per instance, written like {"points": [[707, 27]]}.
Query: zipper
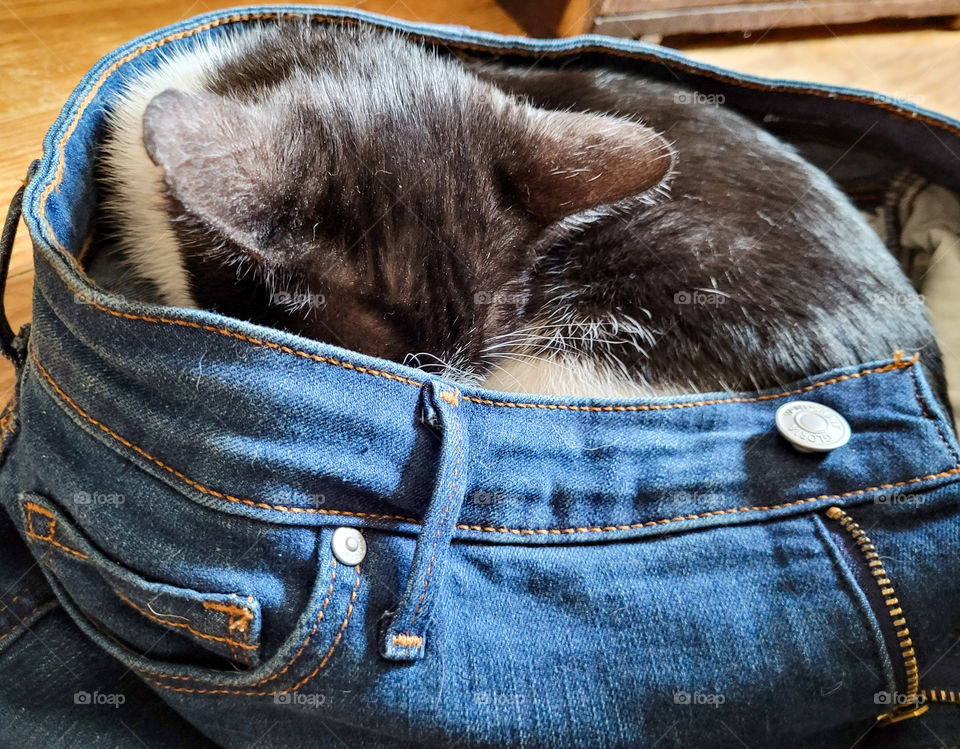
{"points": [[911, 701]]}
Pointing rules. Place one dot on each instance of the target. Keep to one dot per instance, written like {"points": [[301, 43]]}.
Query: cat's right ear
{"points": [[211, 151], [570, 162]]}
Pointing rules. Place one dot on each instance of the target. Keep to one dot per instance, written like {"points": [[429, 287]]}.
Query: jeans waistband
{"points": [[255, 422]]}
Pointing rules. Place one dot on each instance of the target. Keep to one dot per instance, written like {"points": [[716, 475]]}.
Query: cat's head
{"points": [[382, 198]]}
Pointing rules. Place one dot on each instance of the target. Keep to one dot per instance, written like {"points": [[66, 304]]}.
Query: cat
{"points": [[569, 232]]}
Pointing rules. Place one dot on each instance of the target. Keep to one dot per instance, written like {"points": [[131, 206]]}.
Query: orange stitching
{"points": [[59, 546], [241, 337], [443, 520], [18, 624], [451, 398], [303, 645], [160, 620], [323, 662], [49, 538], [336, 640], [923, 409], [239, 617], [489, 528], [407, 641], [896, 364], [729, 511], [198, 486], [61, 145]]}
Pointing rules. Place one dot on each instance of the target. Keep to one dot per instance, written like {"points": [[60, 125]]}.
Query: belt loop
{"points": [[404, 637]]}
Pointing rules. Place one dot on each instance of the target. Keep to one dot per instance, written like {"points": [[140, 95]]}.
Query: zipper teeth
{"points": [[866, 547], [940, 695]]}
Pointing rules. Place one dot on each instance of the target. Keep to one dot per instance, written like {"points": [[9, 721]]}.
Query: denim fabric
{"points": [[539, 572]]}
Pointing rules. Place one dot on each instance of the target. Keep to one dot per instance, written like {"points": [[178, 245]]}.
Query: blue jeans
{"points": [[526, 571]]}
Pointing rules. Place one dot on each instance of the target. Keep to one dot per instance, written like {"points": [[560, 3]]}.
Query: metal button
{"points": [[812, 427], [349, 546]]}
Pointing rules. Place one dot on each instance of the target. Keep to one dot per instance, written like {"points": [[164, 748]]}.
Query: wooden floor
{"points": [[47, 45]]}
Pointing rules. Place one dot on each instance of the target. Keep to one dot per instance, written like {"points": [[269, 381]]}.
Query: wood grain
{"points": [[47, 45], [639, 17]]}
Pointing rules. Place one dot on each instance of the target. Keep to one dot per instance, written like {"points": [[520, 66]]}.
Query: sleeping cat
{"points": [[554, 231]]}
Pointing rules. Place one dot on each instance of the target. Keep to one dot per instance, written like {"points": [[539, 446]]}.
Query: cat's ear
{"points": [[575, 161], [211, 151]]}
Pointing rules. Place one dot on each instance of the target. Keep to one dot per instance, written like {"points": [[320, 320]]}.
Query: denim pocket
{"points": [[178, 638], [148, 617]]}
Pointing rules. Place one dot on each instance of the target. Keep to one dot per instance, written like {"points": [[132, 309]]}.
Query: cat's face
{"points": [[391, 204]]}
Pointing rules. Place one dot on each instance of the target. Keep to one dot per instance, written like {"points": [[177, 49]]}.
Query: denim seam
{"points": [[183, 625], [238, 617], [32, 508], [923, 409], [898, 363], [488, 528], [631, 55], [281, 672], [295, 687]]}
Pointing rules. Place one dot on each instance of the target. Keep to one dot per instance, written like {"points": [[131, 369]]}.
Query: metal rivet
{"points": [[812, 427], [349, 546]]}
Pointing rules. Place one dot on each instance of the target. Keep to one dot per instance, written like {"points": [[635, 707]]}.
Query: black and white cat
{"points": [[567, 232]]}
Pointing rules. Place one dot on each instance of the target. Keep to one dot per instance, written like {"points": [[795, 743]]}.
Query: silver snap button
{"points": [[349, 546], [812, 427]]}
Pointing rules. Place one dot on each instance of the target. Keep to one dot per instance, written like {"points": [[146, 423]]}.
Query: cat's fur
{"points": [[495, 224]]}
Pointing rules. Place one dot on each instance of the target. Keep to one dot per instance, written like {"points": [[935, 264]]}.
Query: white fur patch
{"points": [[144, 234], [568, 376]]}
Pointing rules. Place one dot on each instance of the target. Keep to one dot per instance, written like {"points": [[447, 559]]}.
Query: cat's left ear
{"points": [[213, 154], [575, 161]]}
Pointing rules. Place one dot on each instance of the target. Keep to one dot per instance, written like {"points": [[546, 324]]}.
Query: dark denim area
{"points": [[539, 572]]}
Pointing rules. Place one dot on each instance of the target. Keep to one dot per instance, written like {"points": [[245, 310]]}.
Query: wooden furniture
{"points": [[659, 18]]}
